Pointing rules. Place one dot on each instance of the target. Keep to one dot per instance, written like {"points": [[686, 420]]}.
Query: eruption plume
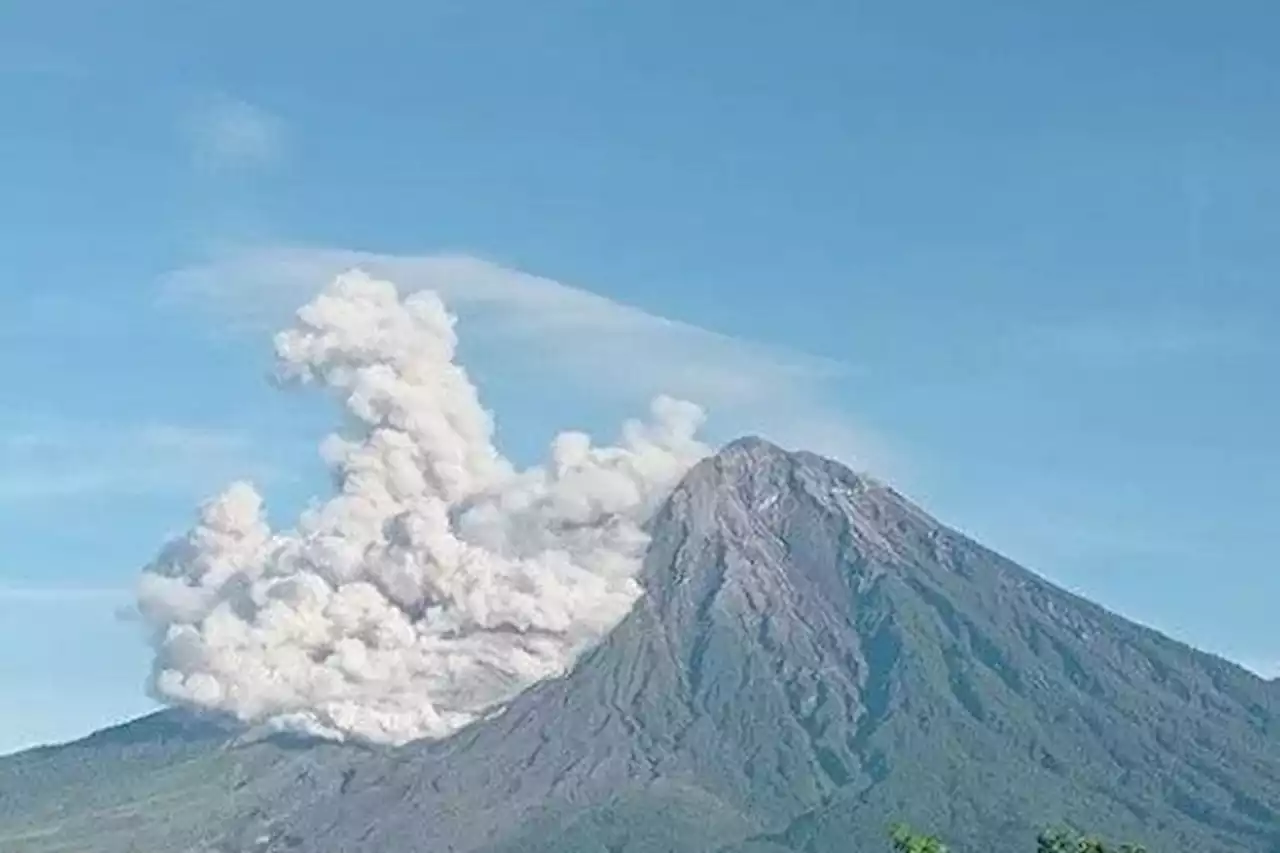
{"points": [[439, 581]]}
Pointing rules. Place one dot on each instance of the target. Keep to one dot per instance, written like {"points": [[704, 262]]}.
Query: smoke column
{"points": [[438, 581]]}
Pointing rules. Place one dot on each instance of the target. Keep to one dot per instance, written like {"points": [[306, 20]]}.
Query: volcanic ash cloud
{"points": [[439, 581]]}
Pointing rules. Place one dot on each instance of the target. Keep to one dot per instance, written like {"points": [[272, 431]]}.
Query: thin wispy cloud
{"points": [[1123, 341], [63, 594], [229, 133], [605, 347], [43, 461]]}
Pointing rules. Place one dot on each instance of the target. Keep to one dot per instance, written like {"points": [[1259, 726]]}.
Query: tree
{"points": [[1060, 840], [907, 840]]}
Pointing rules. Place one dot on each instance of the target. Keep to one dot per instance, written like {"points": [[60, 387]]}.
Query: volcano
{"points": [[814, 657]]}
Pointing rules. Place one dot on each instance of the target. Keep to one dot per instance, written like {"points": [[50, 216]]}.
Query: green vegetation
{"points": [[1066, 841], [907, 840]]}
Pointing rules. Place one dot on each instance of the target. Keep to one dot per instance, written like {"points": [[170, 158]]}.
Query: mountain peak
{"points": [[745, 460], [752, 456], [751, 446], [753, 488]]}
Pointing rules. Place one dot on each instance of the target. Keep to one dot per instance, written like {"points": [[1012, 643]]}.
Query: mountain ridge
{"points": [[814, 656]]}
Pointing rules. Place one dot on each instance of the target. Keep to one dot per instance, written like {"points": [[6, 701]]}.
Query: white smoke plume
{"points": [[438, 581]]}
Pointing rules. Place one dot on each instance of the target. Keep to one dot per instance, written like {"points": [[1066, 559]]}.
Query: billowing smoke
{"points": [[438, 581]]}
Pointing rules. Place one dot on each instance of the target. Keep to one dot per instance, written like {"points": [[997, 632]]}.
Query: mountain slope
{"points": [[814, 657], [165, 782]]}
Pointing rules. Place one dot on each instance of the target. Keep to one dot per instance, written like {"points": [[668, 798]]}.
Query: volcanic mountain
{"points": [[814, 657]]}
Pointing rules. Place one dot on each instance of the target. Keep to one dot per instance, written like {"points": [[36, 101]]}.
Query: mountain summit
{"points": [[814, 657]]}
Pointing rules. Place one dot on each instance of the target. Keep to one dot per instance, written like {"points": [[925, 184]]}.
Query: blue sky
{"points": [[1020, 261]]}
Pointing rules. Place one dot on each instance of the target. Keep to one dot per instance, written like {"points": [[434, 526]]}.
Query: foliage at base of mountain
{"points": [[1055, 840]]}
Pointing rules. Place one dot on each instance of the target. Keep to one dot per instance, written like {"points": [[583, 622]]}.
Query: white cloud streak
{"points": [[604, 347], [1140, 341], [58, 595]]}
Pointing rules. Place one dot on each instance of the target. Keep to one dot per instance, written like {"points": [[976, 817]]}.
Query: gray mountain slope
{"points": [[165, 782], [814, 657]]}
